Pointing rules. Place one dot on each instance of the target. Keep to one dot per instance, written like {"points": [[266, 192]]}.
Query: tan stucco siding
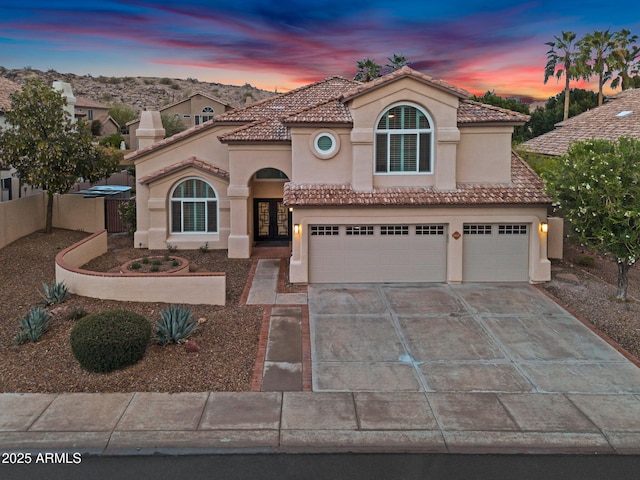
{"points": [[310, 167], [484, 155]]}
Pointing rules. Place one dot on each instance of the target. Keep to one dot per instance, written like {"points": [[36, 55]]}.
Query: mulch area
{"points": [[227, 338]]}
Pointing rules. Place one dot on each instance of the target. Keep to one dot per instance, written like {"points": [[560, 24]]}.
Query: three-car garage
{"points": [[341, 253]]}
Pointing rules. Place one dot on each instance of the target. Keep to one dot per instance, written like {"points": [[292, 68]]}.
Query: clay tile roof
{"points": [[332, 111], [189, 162], [269, 130], [525, 188], [618, 117], [475, 112], [405, 72], [290, 102], [82, 102], [7, 88]]}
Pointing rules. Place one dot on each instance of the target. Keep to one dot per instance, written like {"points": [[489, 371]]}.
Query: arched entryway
{"points": [[271, 218]]}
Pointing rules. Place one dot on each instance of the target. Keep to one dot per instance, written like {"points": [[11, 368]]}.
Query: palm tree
{"points": [[368, 70], [625, 59], [595, 58], [396, 62], [565, 58]]}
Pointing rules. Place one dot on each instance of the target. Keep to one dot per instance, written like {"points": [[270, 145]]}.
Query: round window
{"points": [[325, 144]]}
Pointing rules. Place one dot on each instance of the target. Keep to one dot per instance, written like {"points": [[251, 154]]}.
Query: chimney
{"points": [[65, 89], [150, 130]]}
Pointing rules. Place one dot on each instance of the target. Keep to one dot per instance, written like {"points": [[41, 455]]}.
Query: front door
{"points": [[272, 221]]}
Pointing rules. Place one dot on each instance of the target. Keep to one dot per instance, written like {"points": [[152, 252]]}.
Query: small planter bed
{"points": [[167, 264]]}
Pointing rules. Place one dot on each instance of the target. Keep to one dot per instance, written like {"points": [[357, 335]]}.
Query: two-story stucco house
{"points": [[192, 111], [399, 179]]}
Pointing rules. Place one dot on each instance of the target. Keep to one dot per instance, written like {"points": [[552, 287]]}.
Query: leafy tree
{"points": [[46, 147], [368, 70], [563, 61], [520, 134], [172, 125], [597, 186], [122, 114], [595, 57], [625, 58], [543, 120]]}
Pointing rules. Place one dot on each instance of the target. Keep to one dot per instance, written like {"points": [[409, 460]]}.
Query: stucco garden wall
{"points": [[23, 216], [185, 288]]}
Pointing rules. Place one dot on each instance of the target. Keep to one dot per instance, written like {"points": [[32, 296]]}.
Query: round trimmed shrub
{"points": [[110, 340]]}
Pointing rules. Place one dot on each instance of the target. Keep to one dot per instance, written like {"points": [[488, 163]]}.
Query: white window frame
{"points": [[397, 131], [204, 200]]}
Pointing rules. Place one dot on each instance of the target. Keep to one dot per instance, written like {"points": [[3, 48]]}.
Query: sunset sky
{"points": [[286, 43]]}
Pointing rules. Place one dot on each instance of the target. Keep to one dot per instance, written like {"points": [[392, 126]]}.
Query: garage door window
{"points": [[429, 229], [477, 230], [394, 230], [324, 230], [362, 230], [512, 230]]}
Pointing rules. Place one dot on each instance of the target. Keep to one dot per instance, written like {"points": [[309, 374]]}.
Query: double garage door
{"points": [[414, 253]]}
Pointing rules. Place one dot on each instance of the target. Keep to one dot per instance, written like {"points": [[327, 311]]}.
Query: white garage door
{"points": [[495, 253], [377, 253]]}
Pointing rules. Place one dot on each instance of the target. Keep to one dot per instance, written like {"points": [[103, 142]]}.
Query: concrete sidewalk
{"points": [[295, 422]]}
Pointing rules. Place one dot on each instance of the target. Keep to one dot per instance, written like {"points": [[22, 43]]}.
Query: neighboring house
{"points": [[618, 117], [399, 179], [90, 111], [193, 111], [10, 187]]}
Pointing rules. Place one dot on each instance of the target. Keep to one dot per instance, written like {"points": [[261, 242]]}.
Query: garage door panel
{"points": [[365, 254], [495, 253]]}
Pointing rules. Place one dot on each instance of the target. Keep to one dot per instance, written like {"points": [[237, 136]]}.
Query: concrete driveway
{"points": [[507, 338]]}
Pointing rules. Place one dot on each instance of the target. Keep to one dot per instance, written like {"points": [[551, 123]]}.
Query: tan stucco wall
{"points": [[484, 155], [74, 212], [453, 218], [26, 215], [190, 288], [311, 168], [21, 217]]}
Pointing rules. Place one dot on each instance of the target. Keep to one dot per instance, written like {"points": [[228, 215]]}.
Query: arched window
{"points": [[404, 141], [194, 207], [206, 115]]}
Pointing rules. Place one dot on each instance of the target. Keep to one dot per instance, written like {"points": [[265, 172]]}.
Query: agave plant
{"points": [[54, 293], [176, 325], [33, 325]]}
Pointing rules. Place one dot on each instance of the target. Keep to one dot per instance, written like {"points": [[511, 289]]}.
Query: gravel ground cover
{"points": [[227, 337]]}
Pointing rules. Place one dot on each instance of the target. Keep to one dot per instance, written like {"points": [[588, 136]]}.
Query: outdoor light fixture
{"points": [[544, 227], [291, 209], [296, 228]]}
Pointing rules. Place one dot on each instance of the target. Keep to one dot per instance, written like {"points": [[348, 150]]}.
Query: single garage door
{"points": [[377, 253], [495, 253]]}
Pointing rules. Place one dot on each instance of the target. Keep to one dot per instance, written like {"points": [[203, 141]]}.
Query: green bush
{"points": [[54, 293], [127, 211], [176, 325], [33, 325], [586, 261], [110, 340]]}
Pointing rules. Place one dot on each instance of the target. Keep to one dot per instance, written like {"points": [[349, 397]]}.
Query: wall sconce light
{"points": [[544, 227], [296, 228], [291, 209]]}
